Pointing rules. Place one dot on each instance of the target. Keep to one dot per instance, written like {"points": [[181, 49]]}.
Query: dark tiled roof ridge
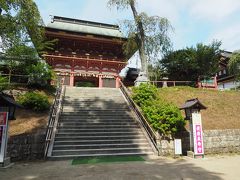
{"points": [[84, 22]]}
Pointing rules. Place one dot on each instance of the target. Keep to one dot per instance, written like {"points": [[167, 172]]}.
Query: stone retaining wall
{"points": [[27, 146], [215, 141], [221, 141]]}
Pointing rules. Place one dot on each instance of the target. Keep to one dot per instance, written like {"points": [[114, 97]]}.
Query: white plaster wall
{"points": [[228, 85]]}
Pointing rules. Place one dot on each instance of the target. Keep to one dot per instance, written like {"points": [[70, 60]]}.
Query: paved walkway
{"points": [[217, 167]]}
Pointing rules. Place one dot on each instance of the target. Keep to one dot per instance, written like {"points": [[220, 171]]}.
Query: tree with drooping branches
{"points": [[147, 34]]}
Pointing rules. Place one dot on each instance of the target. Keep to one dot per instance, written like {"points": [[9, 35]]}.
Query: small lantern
{"points": [[8, 104], [191, 106]]}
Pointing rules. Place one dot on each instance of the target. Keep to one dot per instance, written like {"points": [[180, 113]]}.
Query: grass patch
{"points": [[223, 107], [106, 159]]}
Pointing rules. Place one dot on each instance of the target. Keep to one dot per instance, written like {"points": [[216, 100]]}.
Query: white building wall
{"points": [[228, 85]]}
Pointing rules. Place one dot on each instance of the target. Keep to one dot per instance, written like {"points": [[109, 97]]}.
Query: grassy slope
{"points": [[223, 110], [28, 121]]}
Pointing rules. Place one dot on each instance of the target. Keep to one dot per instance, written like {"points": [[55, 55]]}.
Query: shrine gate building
{"points": [[85, 52]]}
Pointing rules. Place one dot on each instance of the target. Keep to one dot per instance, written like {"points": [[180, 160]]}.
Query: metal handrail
{"points": [[54, 114], [141, 119]]}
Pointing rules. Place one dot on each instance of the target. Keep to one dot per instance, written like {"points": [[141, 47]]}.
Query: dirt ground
{"points": [[27, 121], [217, 168]]}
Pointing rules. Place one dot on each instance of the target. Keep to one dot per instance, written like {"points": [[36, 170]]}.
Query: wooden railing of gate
{"points": [[141, 119], [54, 115]]}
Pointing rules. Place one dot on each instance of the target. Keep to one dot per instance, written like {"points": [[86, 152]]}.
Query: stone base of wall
{"points": [[26, 146], [215, 142], [221, 141], [166, 146]]}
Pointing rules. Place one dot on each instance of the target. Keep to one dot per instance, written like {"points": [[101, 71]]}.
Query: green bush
{"points": [[40, 75], [164, 117], [34, 101], [3, 83], [143, 93]]}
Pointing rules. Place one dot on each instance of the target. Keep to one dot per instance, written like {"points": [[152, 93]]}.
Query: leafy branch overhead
{"points": [[21, 22], [148, 34]]}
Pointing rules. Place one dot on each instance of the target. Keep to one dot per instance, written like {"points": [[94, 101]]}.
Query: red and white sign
{"points": [[197, 134], [3, 135], [3, 118]]}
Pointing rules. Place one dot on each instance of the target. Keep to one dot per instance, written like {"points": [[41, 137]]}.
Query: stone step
{"points": [[100, 116], [97, 108], [90, 119], [96, 104], [94, 121], [65, 157], [105, 112], [64, 130], [80, 124], [90, 137], [93, 134], [100, 151], [99, 141], [97, 126], [101, 146]]}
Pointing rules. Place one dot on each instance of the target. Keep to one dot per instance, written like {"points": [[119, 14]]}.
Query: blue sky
{"points": [[194, 21]]}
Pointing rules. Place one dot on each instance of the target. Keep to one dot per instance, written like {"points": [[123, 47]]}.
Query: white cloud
{"points": [[98, 11], [214, 10], [230, 37], [162, 8]]}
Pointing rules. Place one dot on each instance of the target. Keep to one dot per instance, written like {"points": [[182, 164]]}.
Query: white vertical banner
{"points": [[3, 135], [197, 134], [178, 146]]}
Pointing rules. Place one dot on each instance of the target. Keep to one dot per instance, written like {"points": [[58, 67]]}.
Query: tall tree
{"points": [[234, 64], [21, 23], [148, 34], [192, 63]]}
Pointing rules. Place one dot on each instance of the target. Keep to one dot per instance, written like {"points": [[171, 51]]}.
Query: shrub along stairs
{"points": [[97, 122]]}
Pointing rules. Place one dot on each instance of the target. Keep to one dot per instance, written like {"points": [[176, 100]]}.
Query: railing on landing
{"points": [[54, 114], [141, 119]]}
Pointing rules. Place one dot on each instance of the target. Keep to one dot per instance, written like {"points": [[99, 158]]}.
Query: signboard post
{"points": [[192, 109], [178, 146], [3, 138], [197, 135]]}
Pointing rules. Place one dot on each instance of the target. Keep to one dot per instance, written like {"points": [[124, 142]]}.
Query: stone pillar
{"points": [[117, 82], [100, 81], [71, 79]]}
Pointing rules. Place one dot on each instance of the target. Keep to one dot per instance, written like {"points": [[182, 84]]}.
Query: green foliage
{"points": [[189, 64], [20, 21], [84, 84], [35, 101], [40, 74], [144, 93], [3, 83], [234, 64], [164, 117]]}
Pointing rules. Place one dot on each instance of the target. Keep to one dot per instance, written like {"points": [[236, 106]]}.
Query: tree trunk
{"points": [[141, 38]]}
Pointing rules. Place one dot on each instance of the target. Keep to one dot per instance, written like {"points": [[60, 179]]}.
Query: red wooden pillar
{"points": [[100, 80], [117, 82], [71, 79]]}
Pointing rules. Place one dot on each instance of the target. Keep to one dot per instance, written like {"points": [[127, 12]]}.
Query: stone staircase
{"points": [[97, 122]]}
